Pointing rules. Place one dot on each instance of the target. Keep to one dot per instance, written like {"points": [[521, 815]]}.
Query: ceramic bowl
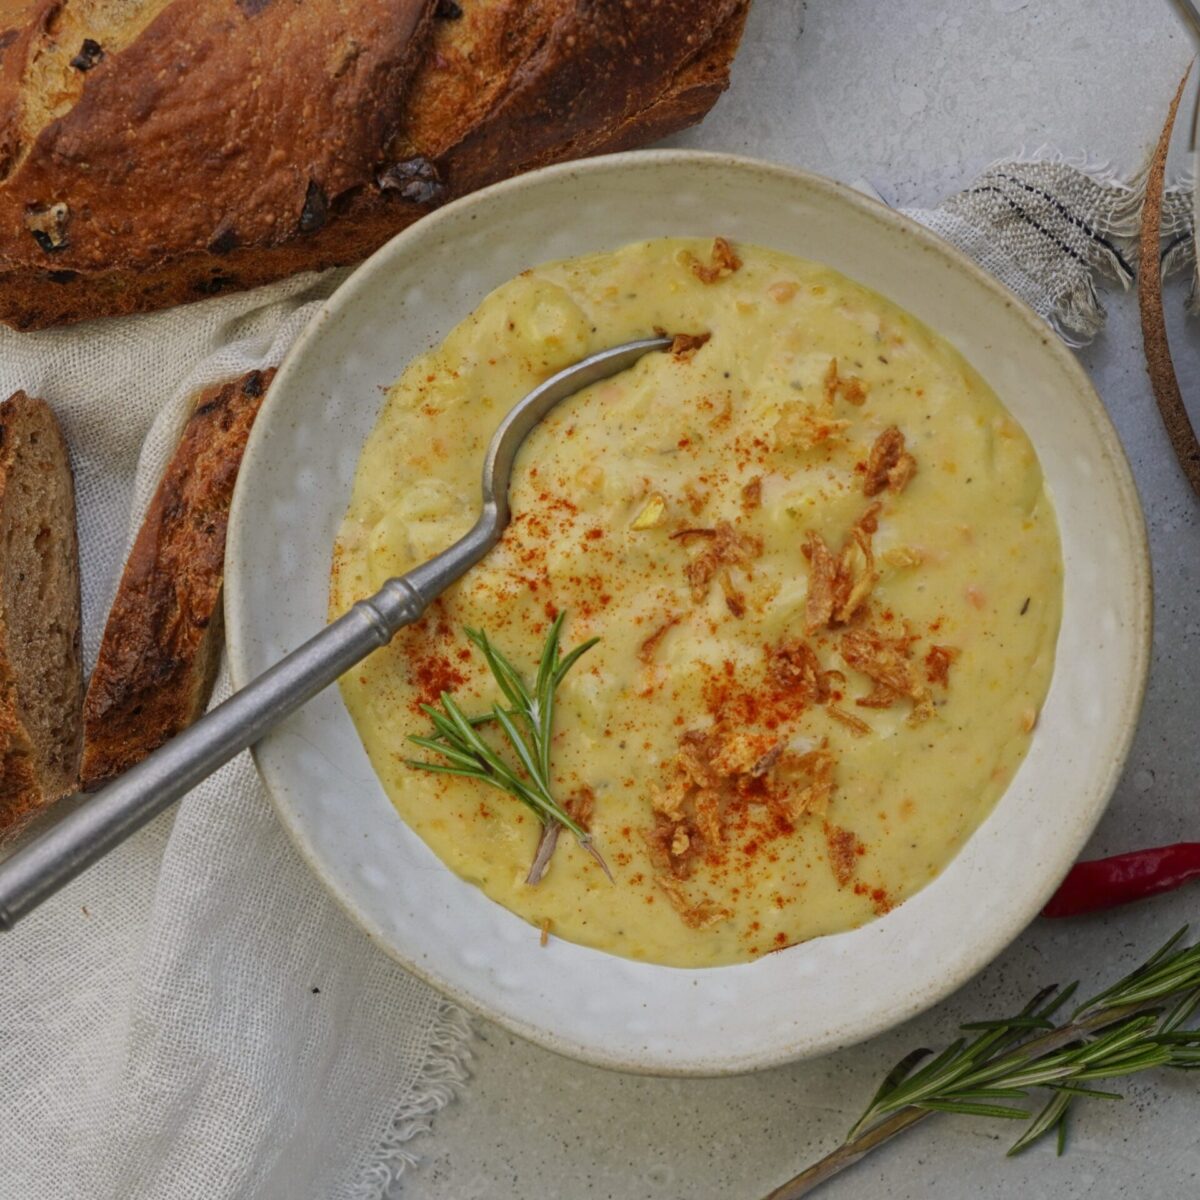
{"points": [[811, 998]]}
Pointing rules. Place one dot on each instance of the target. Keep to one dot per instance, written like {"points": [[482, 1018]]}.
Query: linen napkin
{"points": [[1050, 229], [193, 1019]]}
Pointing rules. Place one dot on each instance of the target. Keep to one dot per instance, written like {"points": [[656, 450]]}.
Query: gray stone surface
{"points": [[915, 97]]}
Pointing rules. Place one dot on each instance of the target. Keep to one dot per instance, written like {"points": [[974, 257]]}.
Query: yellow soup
{"points": [[821, 561]]}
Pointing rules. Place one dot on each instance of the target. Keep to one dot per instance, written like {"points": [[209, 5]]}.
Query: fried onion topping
{"points": [[724, 548], [723, 261], [887, 663], [889, 465]]}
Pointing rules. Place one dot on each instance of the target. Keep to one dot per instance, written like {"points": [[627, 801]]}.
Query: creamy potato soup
{"points": [[819, 557]]}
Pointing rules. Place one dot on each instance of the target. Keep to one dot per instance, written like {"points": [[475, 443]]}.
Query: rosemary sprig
{"points": [[1134, 1025], [527, 725]]}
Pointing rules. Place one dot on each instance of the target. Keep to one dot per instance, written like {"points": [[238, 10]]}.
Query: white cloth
{"points": [[1049, 229], [194, 1017], [162, 1036]]}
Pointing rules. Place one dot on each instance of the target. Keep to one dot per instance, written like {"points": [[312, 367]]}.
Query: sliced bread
{"points": [[41, 671], [162, 642]]}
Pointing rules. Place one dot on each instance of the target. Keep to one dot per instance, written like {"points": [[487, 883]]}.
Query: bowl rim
{"points": [[1138, 633]]}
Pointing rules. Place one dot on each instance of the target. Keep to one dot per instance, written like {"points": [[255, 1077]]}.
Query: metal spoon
{"points": [[37, 870]]}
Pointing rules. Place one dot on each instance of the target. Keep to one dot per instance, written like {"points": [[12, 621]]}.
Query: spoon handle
{"points": [[37, 870]]}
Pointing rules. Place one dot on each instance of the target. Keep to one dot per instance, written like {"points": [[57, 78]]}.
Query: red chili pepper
{"points": [[1107, 882]]}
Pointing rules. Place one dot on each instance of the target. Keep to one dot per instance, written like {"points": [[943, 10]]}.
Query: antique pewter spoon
{"points": [[37, 870]]}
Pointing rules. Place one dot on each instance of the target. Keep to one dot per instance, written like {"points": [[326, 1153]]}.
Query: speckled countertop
{"points": [[915, 97]]}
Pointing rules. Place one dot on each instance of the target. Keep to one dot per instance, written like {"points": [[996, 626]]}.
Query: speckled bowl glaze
{"points": [[808, 999]]}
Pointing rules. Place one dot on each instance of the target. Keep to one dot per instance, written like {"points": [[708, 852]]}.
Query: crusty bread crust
{"points": [[213, 125], [162, 642], [41, 670], [506, 86]]}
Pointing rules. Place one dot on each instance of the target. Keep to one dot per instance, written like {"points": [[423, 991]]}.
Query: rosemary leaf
{"points": [[899, 1073], [571, 659], [1049, 1118], [1183, 1011], [1061, 1140], [1054, 1003], [549, 656], [1004, 1093], [442, 769], [1012, 1023], [976, 1110], [466, 761], [504, 673], [1072, 1089]]}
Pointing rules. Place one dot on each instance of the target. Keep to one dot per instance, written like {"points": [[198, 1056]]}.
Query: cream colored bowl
{"points": [[813, 997]]}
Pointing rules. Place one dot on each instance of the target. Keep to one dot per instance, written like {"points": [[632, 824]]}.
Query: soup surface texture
{"points": [[821, 562]]}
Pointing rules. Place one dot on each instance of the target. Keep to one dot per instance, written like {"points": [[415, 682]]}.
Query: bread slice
{"points": [[134, 184], [162, 641], [41, 667]]}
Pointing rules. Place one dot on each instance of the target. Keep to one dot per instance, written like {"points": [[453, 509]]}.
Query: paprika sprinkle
{"points": [[1108, 882]]}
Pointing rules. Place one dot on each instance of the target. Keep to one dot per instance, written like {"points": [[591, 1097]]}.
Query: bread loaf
{"points": [[162, 641], [41, 673], [154, 152]]}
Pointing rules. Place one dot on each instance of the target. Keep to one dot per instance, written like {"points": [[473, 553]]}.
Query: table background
{"points": [[916, 98]]}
